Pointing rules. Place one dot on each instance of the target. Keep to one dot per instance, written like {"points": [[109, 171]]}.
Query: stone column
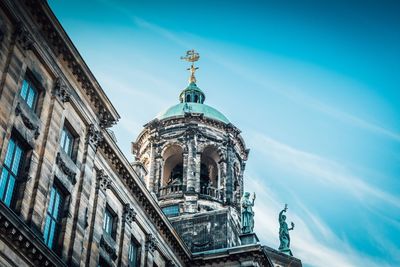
{"points": [[191, 167], [97, 204], [157, 174], [152, 167], [229, 175], [185, 156], [198, 168]]}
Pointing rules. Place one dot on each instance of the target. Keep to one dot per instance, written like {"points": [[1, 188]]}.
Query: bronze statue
{"points": [[247, 213], [284, 237]]}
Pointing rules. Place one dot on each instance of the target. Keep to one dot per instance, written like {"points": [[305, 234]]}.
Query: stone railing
{"points": [[212, 192], [170, 189]]}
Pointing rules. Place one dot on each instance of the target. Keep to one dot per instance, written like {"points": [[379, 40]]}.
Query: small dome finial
{"points": [[192, 56]]}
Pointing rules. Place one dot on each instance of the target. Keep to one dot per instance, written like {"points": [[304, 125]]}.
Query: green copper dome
{"points": [[192, 98], [190, 107]]}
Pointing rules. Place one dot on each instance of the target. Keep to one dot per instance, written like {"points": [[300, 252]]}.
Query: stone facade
{"points": [[106, 206]]}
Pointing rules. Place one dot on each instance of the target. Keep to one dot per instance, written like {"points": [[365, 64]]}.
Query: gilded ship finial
{"points": [[192, 56]]}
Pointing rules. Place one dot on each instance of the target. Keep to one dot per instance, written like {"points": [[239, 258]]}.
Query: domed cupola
{"points": [[192, 160], [192, 94]]}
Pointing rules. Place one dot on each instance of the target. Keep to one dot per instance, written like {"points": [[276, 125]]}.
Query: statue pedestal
{"points": [[287, 251], [248, 239]]}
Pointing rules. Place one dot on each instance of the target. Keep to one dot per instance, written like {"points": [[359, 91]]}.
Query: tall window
{"points": [[67, 141], [53, 219], [29, 93], [11, 168], [110, 223], [133, 253]]}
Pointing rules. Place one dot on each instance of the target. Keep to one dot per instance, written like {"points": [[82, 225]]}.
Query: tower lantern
{"points": [[193, 159]]}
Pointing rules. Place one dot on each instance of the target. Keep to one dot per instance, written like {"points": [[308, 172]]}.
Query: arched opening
{"points": [[209, 172], [196, 98], [172, 179], [188, 98]]}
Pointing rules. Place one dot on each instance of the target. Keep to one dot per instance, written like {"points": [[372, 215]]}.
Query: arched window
{"points": [[209, 168], [187, 98], [196, 98], [173, 166]]}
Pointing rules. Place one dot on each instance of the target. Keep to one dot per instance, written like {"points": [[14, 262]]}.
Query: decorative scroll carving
{"points": [[65, 169], [27, 122], [103, 180], [94, 137], [111, 251], [23, 37], [106, 120], [151, 243], [61, 91], [129, 214]]}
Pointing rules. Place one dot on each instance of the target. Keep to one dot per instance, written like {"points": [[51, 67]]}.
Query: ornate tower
{"points": [[192, 160]]}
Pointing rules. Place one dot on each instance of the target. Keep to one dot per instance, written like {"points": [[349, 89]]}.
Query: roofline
{"points": [[62, 45]]}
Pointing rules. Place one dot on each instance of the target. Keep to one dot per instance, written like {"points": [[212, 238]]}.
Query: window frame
{"points": [[113, 218], [68, 130], [134, 262], [66, 135], [13, 173], [57, 243], [32, 86]]}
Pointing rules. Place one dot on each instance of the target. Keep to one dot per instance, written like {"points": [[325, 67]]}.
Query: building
{"points": [[69, 197]]}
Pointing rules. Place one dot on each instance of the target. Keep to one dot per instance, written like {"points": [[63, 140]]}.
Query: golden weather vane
{"points": [[192, 56]]}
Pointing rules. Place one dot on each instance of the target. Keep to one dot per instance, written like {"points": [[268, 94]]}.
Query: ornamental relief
{"points": [[23, 37], [27, 120], [129, 214], [67, 170], [61, 90], [103, 180], [94, 137]]}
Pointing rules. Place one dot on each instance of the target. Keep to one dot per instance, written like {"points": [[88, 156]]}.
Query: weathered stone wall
{"points": [[68, 94]]}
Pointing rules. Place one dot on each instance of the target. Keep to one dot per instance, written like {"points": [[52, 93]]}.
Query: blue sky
{"points": [[313, 85]]}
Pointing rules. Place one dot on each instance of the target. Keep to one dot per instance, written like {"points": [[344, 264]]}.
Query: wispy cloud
{"points": [[321, 169], [313, 251], [253, 76]]}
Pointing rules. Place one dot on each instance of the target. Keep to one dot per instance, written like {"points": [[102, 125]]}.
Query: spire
{"points": [[192, 56], [192, 93]]}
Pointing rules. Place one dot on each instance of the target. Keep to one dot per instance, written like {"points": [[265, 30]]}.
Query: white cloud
{"points": [[305, 244], [321, 170]]}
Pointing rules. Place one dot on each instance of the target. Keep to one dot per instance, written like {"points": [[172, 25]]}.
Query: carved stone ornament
{"points": [[23, 37], [151, 243], [61, 91], [106, 120], [94, 137], [111, 251], [27, 122], [129, 214], [103, 180], [67, 171]]}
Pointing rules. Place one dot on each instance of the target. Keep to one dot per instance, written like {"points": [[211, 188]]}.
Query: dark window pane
{"points": [[10, 170], [53, 218], [133, 254], [67, 141], [29, 93]]}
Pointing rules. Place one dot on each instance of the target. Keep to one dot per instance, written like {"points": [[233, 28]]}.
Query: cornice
{"points": [[132, 182], [62, 46], [241, 253], [20, 236]]}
